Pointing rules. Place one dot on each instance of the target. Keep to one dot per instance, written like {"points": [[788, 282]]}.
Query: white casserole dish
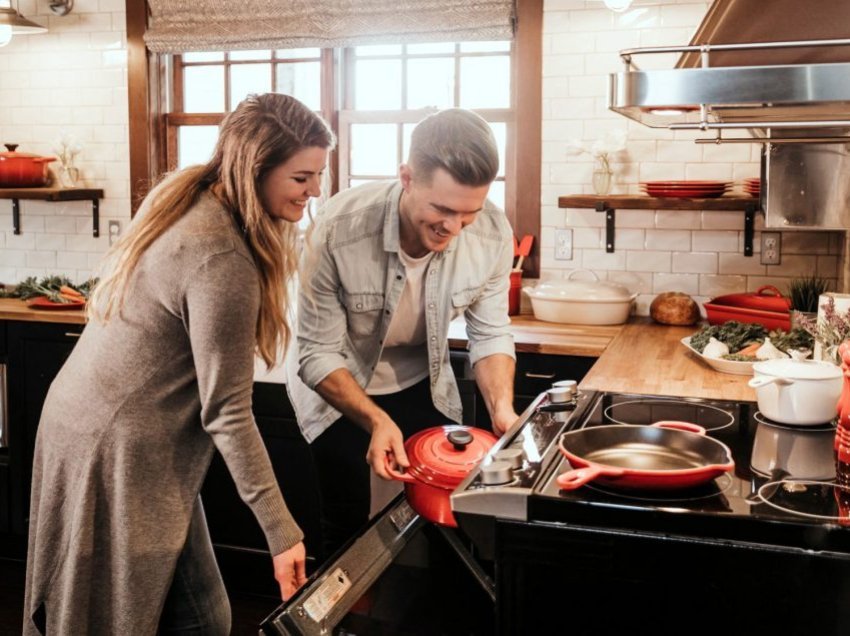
{"points": [[801, 392], [581, 302]]}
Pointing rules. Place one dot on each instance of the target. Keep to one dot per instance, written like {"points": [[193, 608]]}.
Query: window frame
{"points": [[152, 128]]}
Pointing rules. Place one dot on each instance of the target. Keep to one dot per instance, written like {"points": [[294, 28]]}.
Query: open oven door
{"points": [[400, 575]]}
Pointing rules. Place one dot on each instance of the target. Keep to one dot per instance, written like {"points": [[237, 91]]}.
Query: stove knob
{"points": [[495, 473], [570, 385], [513, 456]]}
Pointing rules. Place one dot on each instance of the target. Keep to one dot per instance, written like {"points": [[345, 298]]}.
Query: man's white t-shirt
{"points": [[404, 359]]}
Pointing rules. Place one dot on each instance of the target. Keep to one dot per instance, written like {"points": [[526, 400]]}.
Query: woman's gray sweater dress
{"points": [[130, 425]]}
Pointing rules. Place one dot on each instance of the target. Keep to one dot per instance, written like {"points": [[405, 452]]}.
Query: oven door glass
{"points": [[401, 575]]}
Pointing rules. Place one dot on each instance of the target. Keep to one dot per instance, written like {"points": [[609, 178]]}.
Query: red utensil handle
{"points": [[397, 475], [681, 426]]}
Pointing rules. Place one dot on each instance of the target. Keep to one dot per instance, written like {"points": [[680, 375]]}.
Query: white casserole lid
{"points": [[581, 290], [798, 369]]}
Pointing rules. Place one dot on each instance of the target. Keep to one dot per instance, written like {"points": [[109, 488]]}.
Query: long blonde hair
{"points": [[263, 132]]}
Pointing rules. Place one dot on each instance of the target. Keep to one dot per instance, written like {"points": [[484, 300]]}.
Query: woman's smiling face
{"points": [[287, 189]]}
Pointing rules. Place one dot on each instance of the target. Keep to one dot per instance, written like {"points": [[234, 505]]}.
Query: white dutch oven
{"points": [[802, 453], [581, 302], [802, 392]]}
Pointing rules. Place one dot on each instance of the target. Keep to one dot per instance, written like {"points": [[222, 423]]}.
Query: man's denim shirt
{"points": [[351, 282]]}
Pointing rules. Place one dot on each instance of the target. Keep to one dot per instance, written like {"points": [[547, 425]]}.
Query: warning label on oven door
{"points": [[322, 601]]}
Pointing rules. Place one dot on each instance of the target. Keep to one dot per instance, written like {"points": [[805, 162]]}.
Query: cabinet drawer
{"points": [[535, 372]]}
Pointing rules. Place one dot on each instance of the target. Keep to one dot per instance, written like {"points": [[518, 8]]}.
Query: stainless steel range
{"points": [[760, 546]]}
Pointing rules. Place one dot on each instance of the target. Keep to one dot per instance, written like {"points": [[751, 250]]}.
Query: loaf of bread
{"points": [[674, 308]]}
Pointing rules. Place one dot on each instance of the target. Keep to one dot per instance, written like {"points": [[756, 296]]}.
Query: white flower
{"points": [[612, 142]]}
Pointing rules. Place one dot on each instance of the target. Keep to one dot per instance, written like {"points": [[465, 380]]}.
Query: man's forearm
{"points": [[341, 391], [494, 376]]}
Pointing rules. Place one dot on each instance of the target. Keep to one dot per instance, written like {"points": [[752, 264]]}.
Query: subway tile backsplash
{"points": [[74, 79], [698, 252]]}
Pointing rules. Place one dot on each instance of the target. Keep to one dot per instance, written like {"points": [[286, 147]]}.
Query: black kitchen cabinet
{"points": [[535, 372], [35, 353]]}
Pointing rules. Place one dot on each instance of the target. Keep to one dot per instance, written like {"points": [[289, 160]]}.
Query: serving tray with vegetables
{"points": [[734, 346]]}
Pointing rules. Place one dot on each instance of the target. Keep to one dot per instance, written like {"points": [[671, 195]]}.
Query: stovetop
{"points": [[761, 501], [766, 506]]}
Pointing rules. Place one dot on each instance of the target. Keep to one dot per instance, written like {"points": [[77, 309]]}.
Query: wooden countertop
{"points": [[648, 358], [14, 309], [537, 336]]}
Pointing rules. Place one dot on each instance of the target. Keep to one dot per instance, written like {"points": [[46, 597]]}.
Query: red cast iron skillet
{"points": [[664, 456]]}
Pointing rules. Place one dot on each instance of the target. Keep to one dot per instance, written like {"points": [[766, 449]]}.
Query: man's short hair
{"points": [[458, 141]]}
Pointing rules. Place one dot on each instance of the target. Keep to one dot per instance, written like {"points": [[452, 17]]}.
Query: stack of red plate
{"points": [[752, 186], [686, 189]]}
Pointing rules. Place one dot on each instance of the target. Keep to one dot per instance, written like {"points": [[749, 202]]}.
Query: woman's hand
{"points": [[289, 569]]}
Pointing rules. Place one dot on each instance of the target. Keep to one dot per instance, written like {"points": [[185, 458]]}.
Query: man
{"points": [[388, 266]]}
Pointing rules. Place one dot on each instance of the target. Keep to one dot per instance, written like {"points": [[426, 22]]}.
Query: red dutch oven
{"points": [[22, 170], [767, 306], [664, 456], [440, 458]]}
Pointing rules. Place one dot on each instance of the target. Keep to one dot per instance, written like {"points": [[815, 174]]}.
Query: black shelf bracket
{"points": [[610, 215], [749, 228], [16, 216], [95, 217]]}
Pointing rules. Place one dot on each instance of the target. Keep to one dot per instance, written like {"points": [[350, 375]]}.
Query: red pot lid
{"points": [[443, 456]]}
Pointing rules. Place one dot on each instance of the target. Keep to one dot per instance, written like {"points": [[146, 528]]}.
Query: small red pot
{"points": [[440, 458], [22, 170]]}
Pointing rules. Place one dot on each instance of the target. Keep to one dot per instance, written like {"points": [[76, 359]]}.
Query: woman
{"points": [[161, 377]]}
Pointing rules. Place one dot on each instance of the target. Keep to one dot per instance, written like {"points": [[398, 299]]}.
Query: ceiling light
{"points": [[618, 5], [13, 23]]}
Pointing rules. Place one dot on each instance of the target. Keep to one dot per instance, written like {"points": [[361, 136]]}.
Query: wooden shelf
{"points": [[637, 202], [53, 194], [611, 203]]}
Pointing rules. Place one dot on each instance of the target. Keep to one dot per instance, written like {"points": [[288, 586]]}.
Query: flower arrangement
{"points": [[66, 148], [829, 329], [602, 150]]}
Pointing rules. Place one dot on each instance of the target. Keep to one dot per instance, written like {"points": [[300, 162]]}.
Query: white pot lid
{"points": [[798, 369], [572, 289]]}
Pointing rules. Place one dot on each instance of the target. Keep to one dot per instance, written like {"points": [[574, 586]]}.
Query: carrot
{"points": [[749, 350], [70, 292], [70, 298]]}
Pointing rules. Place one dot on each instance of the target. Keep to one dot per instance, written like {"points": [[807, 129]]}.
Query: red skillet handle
{"points": [[397, 475], [578, 477], [681, 426]]}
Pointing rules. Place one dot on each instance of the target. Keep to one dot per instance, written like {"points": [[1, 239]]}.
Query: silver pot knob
{"points": [[495, 473], [513, 456], [570, 385]]}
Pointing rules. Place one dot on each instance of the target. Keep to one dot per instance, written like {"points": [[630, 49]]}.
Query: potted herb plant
{"points": [[805, 294]]}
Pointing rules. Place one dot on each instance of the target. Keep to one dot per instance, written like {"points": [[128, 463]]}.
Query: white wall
{"points": [[700, 253], [73, 79]]}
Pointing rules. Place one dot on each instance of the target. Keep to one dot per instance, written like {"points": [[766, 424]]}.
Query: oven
{"points": [[402, 576], [763, 547]]}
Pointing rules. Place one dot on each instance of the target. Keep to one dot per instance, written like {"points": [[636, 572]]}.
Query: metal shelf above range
{"points": [[53, 194], [611, 203]]}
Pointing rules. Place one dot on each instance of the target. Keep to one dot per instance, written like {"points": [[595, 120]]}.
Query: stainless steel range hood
{"points": [[775, 72]]}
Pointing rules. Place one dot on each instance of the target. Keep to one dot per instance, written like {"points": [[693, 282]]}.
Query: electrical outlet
{"points": [[114, 231], [771, 244], [563, 244]]}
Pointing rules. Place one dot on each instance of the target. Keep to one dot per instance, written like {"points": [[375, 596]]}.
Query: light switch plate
{"points": [[771, 248], [114, 230], [563, 244]]}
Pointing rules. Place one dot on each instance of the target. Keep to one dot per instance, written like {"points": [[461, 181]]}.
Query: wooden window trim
{"points": [[148, 127]]}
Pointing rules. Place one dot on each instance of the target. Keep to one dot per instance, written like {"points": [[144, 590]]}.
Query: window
{"points": [[386, 89], [371, 95]]}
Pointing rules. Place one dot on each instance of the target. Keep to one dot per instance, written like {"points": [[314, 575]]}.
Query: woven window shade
{"points": [[176, 26]]}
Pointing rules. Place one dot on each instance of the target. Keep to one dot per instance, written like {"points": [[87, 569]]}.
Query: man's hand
{"points": [[387, 443], [289, 570], [503, 420]]}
